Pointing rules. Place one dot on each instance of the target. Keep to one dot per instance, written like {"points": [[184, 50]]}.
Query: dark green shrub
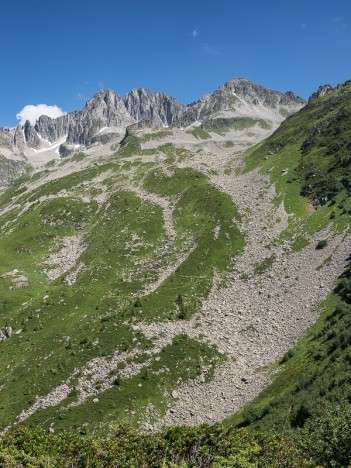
{"points": [[288, 355], [326, 438], [192, 447], [321, 244]]}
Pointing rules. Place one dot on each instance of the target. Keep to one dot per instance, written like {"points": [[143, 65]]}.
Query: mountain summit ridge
{"points": [[107, 109], [243, 88]]}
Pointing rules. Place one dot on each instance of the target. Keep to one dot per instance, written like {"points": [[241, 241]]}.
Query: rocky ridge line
{"points": [[107, 115]]}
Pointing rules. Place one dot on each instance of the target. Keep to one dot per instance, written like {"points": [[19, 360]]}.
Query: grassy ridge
{"points": [[312, 149], [199, 209]]}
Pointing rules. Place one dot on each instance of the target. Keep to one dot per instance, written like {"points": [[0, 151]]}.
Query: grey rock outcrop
{"points": [[327, 89], [322, 91], [156, 108], [10, 170], [105, 109], [208, 105], [256, 94], [19, 140], [65, 151], [31, 135], [54, 129], [290, 97], [5, 333]]}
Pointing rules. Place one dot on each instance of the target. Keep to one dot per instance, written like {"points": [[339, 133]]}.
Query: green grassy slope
{"points": [[58, 327], [309, 171], [312, 149]]}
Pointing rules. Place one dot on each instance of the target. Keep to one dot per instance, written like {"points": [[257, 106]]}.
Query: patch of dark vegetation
{"points": [[321, 244], [199, 447]]}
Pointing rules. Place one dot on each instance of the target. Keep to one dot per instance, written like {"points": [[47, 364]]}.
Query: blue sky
{"points": [[62, 52]]}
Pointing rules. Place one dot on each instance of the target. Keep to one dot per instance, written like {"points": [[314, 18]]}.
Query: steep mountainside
{"points": [[319, 137], [308, 158], [162, 278], [156, 109]]}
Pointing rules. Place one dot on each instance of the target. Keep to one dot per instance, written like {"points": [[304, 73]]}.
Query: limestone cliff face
{"points": [[105, 109], [208, 106], [31, 135], [158, 109], [19, 140], [327, 89], [54, 129]]}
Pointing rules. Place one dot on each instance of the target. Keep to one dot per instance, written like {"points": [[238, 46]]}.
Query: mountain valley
{"points": [[158, 260]]}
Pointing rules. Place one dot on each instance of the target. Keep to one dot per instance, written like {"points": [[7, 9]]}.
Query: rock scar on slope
{"points": [[65, 258]]}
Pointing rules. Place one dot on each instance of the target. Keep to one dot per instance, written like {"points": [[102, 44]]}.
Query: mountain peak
{"points": [[241, 78], [258, 94], [107, 96]]}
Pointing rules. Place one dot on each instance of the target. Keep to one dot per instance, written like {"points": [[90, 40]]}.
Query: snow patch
{"points": [[53, 146], [43, 139], [197, 123]]}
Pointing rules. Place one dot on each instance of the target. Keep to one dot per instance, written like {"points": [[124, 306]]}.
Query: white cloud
{"points": [[195, 33], [32, 113], [338, 19]]}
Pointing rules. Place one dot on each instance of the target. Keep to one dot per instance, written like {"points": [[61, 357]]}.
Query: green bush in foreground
{"points": [[327, 437], [202, 446]]}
